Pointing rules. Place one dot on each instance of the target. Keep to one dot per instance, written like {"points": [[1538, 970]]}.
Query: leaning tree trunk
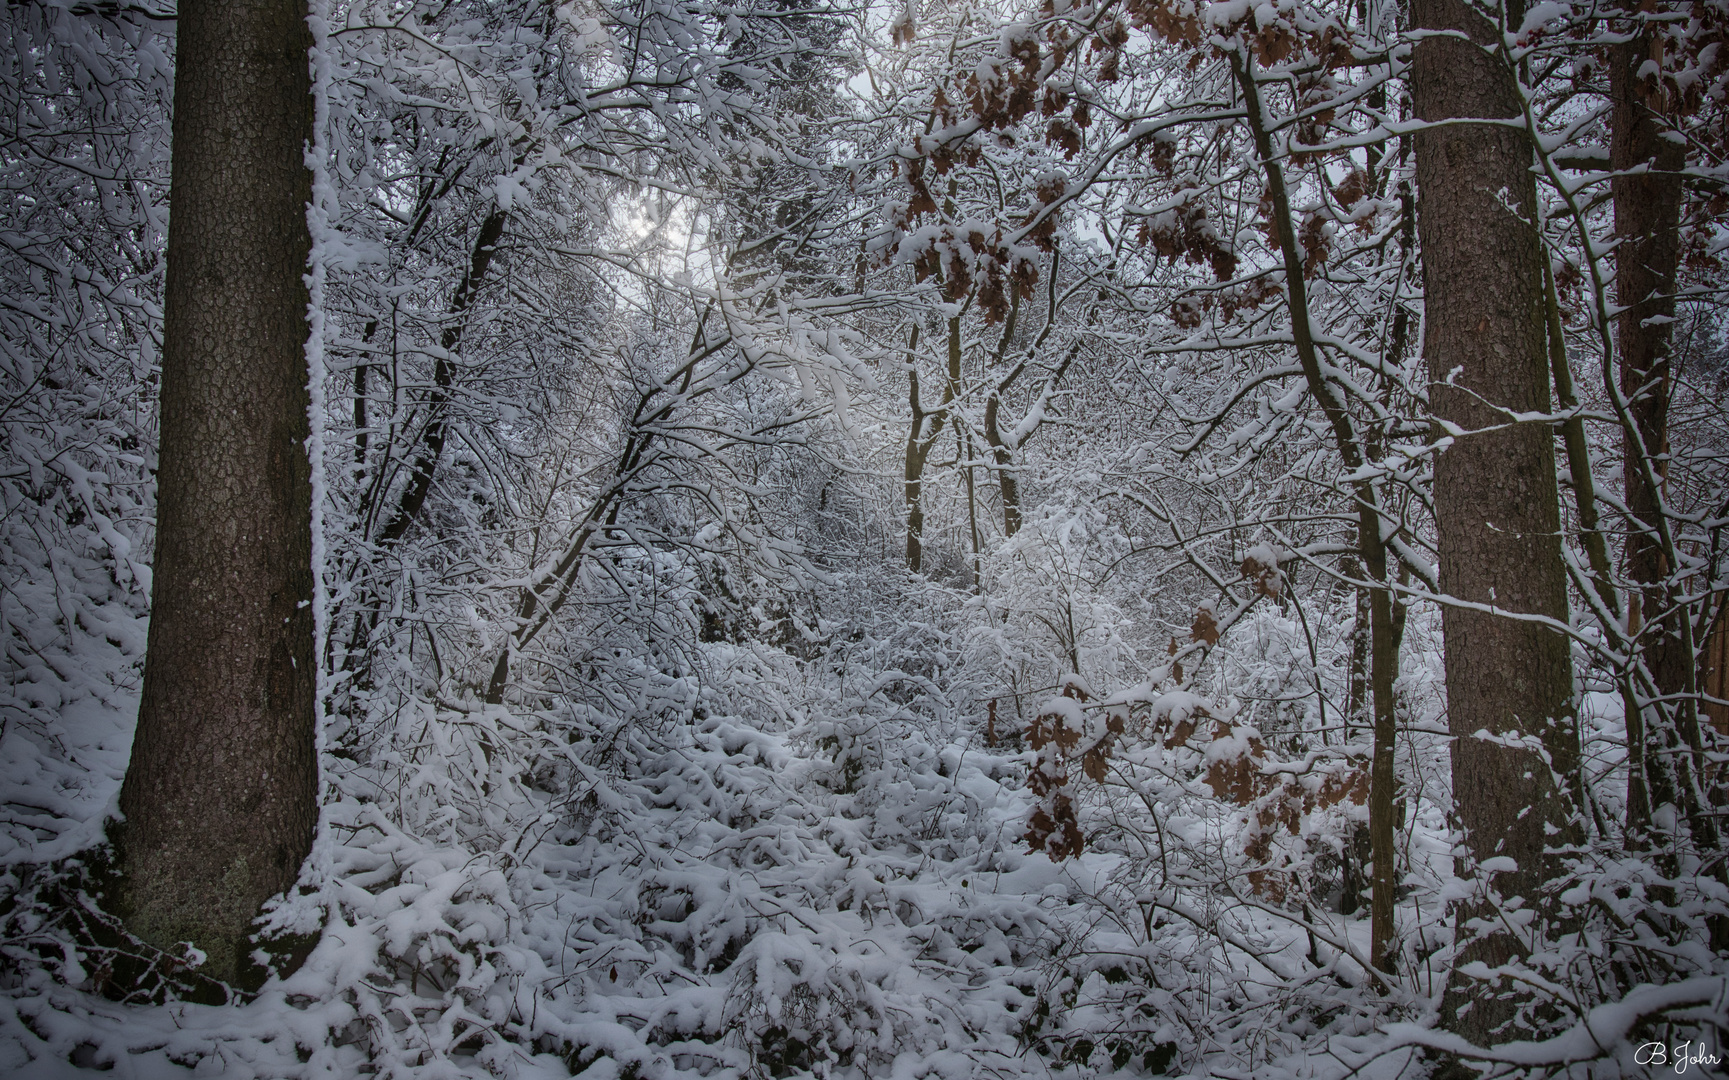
{"points": [[220, 797], [1371, 546], [1496, 505]]}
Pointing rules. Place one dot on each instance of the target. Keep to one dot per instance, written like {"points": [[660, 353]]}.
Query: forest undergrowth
{"points": [[750, 862]]}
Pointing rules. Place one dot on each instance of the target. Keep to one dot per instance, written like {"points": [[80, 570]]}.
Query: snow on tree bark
{"points": [[1509, 679]]}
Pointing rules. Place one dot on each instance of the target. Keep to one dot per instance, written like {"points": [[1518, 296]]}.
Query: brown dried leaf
{"points": [[1205, 628]]}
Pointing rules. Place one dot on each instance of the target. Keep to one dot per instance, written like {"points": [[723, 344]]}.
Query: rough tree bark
{"points": [[1496, 502], [220, 797]]}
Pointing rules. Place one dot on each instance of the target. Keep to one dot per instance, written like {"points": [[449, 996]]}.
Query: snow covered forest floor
{"points": [[799, 880], [827, 563], [761, 866]]}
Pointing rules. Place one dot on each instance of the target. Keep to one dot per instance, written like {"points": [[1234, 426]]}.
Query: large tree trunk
{"points": [[221, 798], [1495, 493]]}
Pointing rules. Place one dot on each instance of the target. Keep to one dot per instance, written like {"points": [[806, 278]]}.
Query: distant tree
{"points": [[220, 797]]}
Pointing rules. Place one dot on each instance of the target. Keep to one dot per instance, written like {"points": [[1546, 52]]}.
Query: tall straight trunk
{"points": [[1001, 452], [964, 454], [1647, 255], [1383, 780], [1356, 853], [917, 449], [1496, 504], [220, 797]]}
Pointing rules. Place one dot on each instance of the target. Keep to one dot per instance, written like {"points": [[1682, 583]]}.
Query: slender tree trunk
{"points": [[964, 448], [1357, 684], [915, 501], [1496, 502], [220, 797], [1647, 258], [1355, 853], [914, 488], [919, 442], [1006, 447], [1371, 547], [1601, 583], [1008, 479], [1007, 484], [539, 602], [1714, 671], [361, 420], [1383, 781]]}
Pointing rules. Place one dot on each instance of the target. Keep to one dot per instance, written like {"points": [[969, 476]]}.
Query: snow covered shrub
{"points": [[1202, 848], [1047, 600]]}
